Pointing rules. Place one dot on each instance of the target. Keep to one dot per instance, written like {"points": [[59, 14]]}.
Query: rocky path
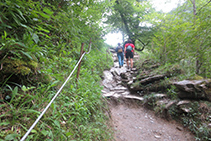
{"points": [[129, 120]]}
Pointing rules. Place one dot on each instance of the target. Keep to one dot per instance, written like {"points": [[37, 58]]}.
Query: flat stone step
{"points": [[134, 97], [118, 88], [109, 94]]}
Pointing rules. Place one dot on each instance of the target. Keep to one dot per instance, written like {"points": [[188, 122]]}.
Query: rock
{"points": [[167, 107], [108, 94], [160, 96], [194, 89], [125, 80], [125, 93], [107, 76], [179, 128], [185, 110], [123, 75], [162, 102], [133, 69], [151, 79], [183, 102], [153, 98], [134, 78], [170, 103], [130, 82], [104, 91], [114, 73], [208, 93], [134, 97], [112, 50], [119, 88], [188, 85], [184, 106], [107, 86], [63, 122], [158, 137]]}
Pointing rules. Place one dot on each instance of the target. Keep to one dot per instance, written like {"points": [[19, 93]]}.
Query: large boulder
{"points": [[194, 89]]}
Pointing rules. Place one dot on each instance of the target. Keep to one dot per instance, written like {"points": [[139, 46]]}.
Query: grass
{"points": [[76, 114]]}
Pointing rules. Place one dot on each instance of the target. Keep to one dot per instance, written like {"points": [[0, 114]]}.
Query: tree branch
{"points": [[203, 7], [144, 45]]}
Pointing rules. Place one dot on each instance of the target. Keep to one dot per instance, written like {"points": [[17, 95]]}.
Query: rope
{"points": [[27, 133]]}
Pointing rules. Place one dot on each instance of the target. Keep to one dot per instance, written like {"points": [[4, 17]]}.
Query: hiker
{"points": [[120, 54], [129, 53]]}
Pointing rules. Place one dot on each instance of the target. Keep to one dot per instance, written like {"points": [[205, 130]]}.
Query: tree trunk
{"points": [[198, 63]]}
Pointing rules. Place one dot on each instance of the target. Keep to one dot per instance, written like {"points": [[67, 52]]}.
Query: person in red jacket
{"points": [[129, 53]]}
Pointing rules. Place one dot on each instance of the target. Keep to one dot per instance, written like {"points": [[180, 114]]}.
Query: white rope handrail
{"points": [[33, 125]]}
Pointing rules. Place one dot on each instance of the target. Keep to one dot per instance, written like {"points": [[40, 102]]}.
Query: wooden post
{"points": [[79, 65]]}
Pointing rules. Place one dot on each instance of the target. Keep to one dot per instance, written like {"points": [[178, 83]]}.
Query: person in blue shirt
{"points": [[120, 54]]}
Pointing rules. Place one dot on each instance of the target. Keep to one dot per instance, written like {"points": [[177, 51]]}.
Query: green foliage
{"points": [[78, 113], [150, 100], [197, 119], [171, 92], [40, 46], [130, 17], [183, 37]]}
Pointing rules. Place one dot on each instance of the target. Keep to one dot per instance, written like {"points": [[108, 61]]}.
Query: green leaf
{"points": [[45, 16], [57, 123], [4, 123], [21, 14], [23, 25], [26, 54], [21, 44], [44, 132], [42, 29], [5, 34], [69, 134], [32, 111], [24, 88], [33, 131], [48, 11], [11, 137], [35, 37], [15, 91], [64, 52]]}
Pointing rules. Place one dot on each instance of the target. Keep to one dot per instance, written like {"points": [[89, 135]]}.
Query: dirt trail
{"points": [[134, 123], [131, 121]]}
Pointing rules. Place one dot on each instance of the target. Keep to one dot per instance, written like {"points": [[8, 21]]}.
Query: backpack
{"points": [[129, 48], [119, 49]]}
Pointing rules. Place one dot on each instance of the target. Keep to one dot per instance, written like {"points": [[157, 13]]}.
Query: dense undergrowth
{"points": [[198, 115], [39, 47], [76, 114]]}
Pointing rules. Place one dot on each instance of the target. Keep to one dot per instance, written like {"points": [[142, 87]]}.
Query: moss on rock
{"points": [[18, 66]]}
